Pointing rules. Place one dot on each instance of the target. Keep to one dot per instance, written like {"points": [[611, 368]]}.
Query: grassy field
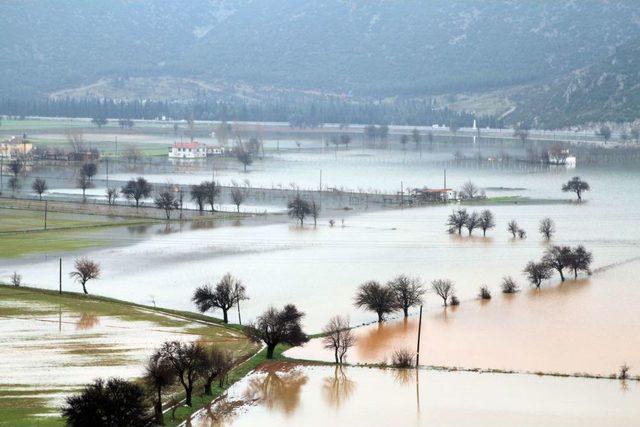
{"points": [[64, 334], [22, 230]]}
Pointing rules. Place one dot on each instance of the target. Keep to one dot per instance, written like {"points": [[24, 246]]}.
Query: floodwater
{"points": [[289, 395], [320, 268], [584, 326], [50, 351]]}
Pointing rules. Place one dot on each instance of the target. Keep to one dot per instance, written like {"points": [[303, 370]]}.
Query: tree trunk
{"points": [[270, 349], [406, 311], [380, 319], [158, 408], [225, 317], [561, 275], [484, 232], [445, 301], [335, 354], [84, 288], [575, 273], [207, 387], [187, 392]]}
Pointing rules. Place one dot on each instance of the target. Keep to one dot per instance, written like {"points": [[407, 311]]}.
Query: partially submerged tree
{"points": [[337, 336], [158, 376], [576, 185], [484, 293], [116, 402], [298, 208], [84, 181], [314, 211], [237, 197], [443, 288], [457, 220], [557, 258], [168, 202], [487, 221], [39, 186], [89, 170], [547, 227], [211, 192], [537, 272], [402, 358], [244, 156], [198, 196], [185, 360], [580, 260], [513, 228], [374, 297], [137, 189], [227, 293], [99, 121], [408, 292], [275, 327], [604, 132], [508, 285], [473, 222], [85, 270]]}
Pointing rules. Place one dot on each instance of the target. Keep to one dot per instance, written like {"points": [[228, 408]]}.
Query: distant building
{"points": [[188, 150], [15, 147], [432, 195]]}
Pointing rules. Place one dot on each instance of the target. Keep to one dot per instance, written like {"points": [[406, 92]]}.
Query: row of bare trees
{"points": [[559, 258], [460, 219]]}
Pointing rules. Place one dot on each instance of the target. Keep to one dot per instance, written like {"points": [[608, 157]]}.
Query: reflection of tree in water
{"points": [[404, 376], [137, 229], [338, 388], [87, 321], [277, 392]]}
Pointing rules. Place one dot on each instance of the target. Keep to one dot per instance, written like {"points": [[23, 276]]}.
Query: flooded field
{"points": [[80, 340], [289, 395]]}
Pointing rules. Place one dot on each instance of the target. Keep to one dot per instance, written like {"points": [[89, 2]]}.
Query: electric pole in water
{"points": [[60, 277]]}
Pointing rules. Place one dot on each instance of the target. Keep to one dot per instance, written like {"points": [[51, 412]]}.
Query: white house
{"points": [[188, 150]]}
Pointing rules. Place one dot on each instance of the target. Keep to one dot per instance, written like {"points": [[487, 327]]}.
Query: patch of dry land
{"points": [[54, 344]]}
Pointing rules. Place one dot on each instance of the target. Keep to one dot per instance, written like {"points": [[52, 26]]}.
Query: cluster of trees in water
{"points": [[298, 112]]}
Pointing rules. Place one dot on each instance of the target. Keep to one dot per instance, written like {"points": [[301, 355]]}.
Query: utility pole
{"points": [[116, 147], [401, 194], [320, 188], [107, 173], [419, 331], [445, 179], [1, 166], [239, 318], [46, 208], [60, 277]]}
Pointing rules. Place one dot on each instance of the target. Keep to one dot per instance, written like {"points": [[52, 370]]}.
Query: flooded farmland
{"points": [[288, 395]]}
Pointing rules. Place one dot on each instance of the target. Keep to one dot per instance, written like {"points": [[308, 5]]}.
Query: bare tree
{"points": [[443, 288], [484, 293], [85, 270], [487, 221], [84, 182], [211, 191], [39, 186], [373, 296], [557, 258], [473, 222], [186, 360], [408, 292], [237, 196], [337, 336], [227, 293], [576, 185], [137, 189], [111, 195], [244, 156], [89, 170], [216, 363], [604, 132], [167, 201], [547, 227], [278, 326], [580, 260], [158, 376], [457, 220], [469, 190], [16, 279], [314, 211], [198, 196], [298, 208], [402, 358], [509, 286], [522, 233], [513, 228], [537, 272]]}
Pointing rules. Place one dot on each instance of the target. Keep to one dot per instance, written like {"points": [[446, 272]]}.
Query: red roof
{"points": [[188, 145]]}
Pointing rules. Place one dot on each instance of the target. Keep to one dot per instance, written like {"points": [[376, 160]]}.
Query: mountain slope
{"points": [[368, 47], [609, 90]]}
